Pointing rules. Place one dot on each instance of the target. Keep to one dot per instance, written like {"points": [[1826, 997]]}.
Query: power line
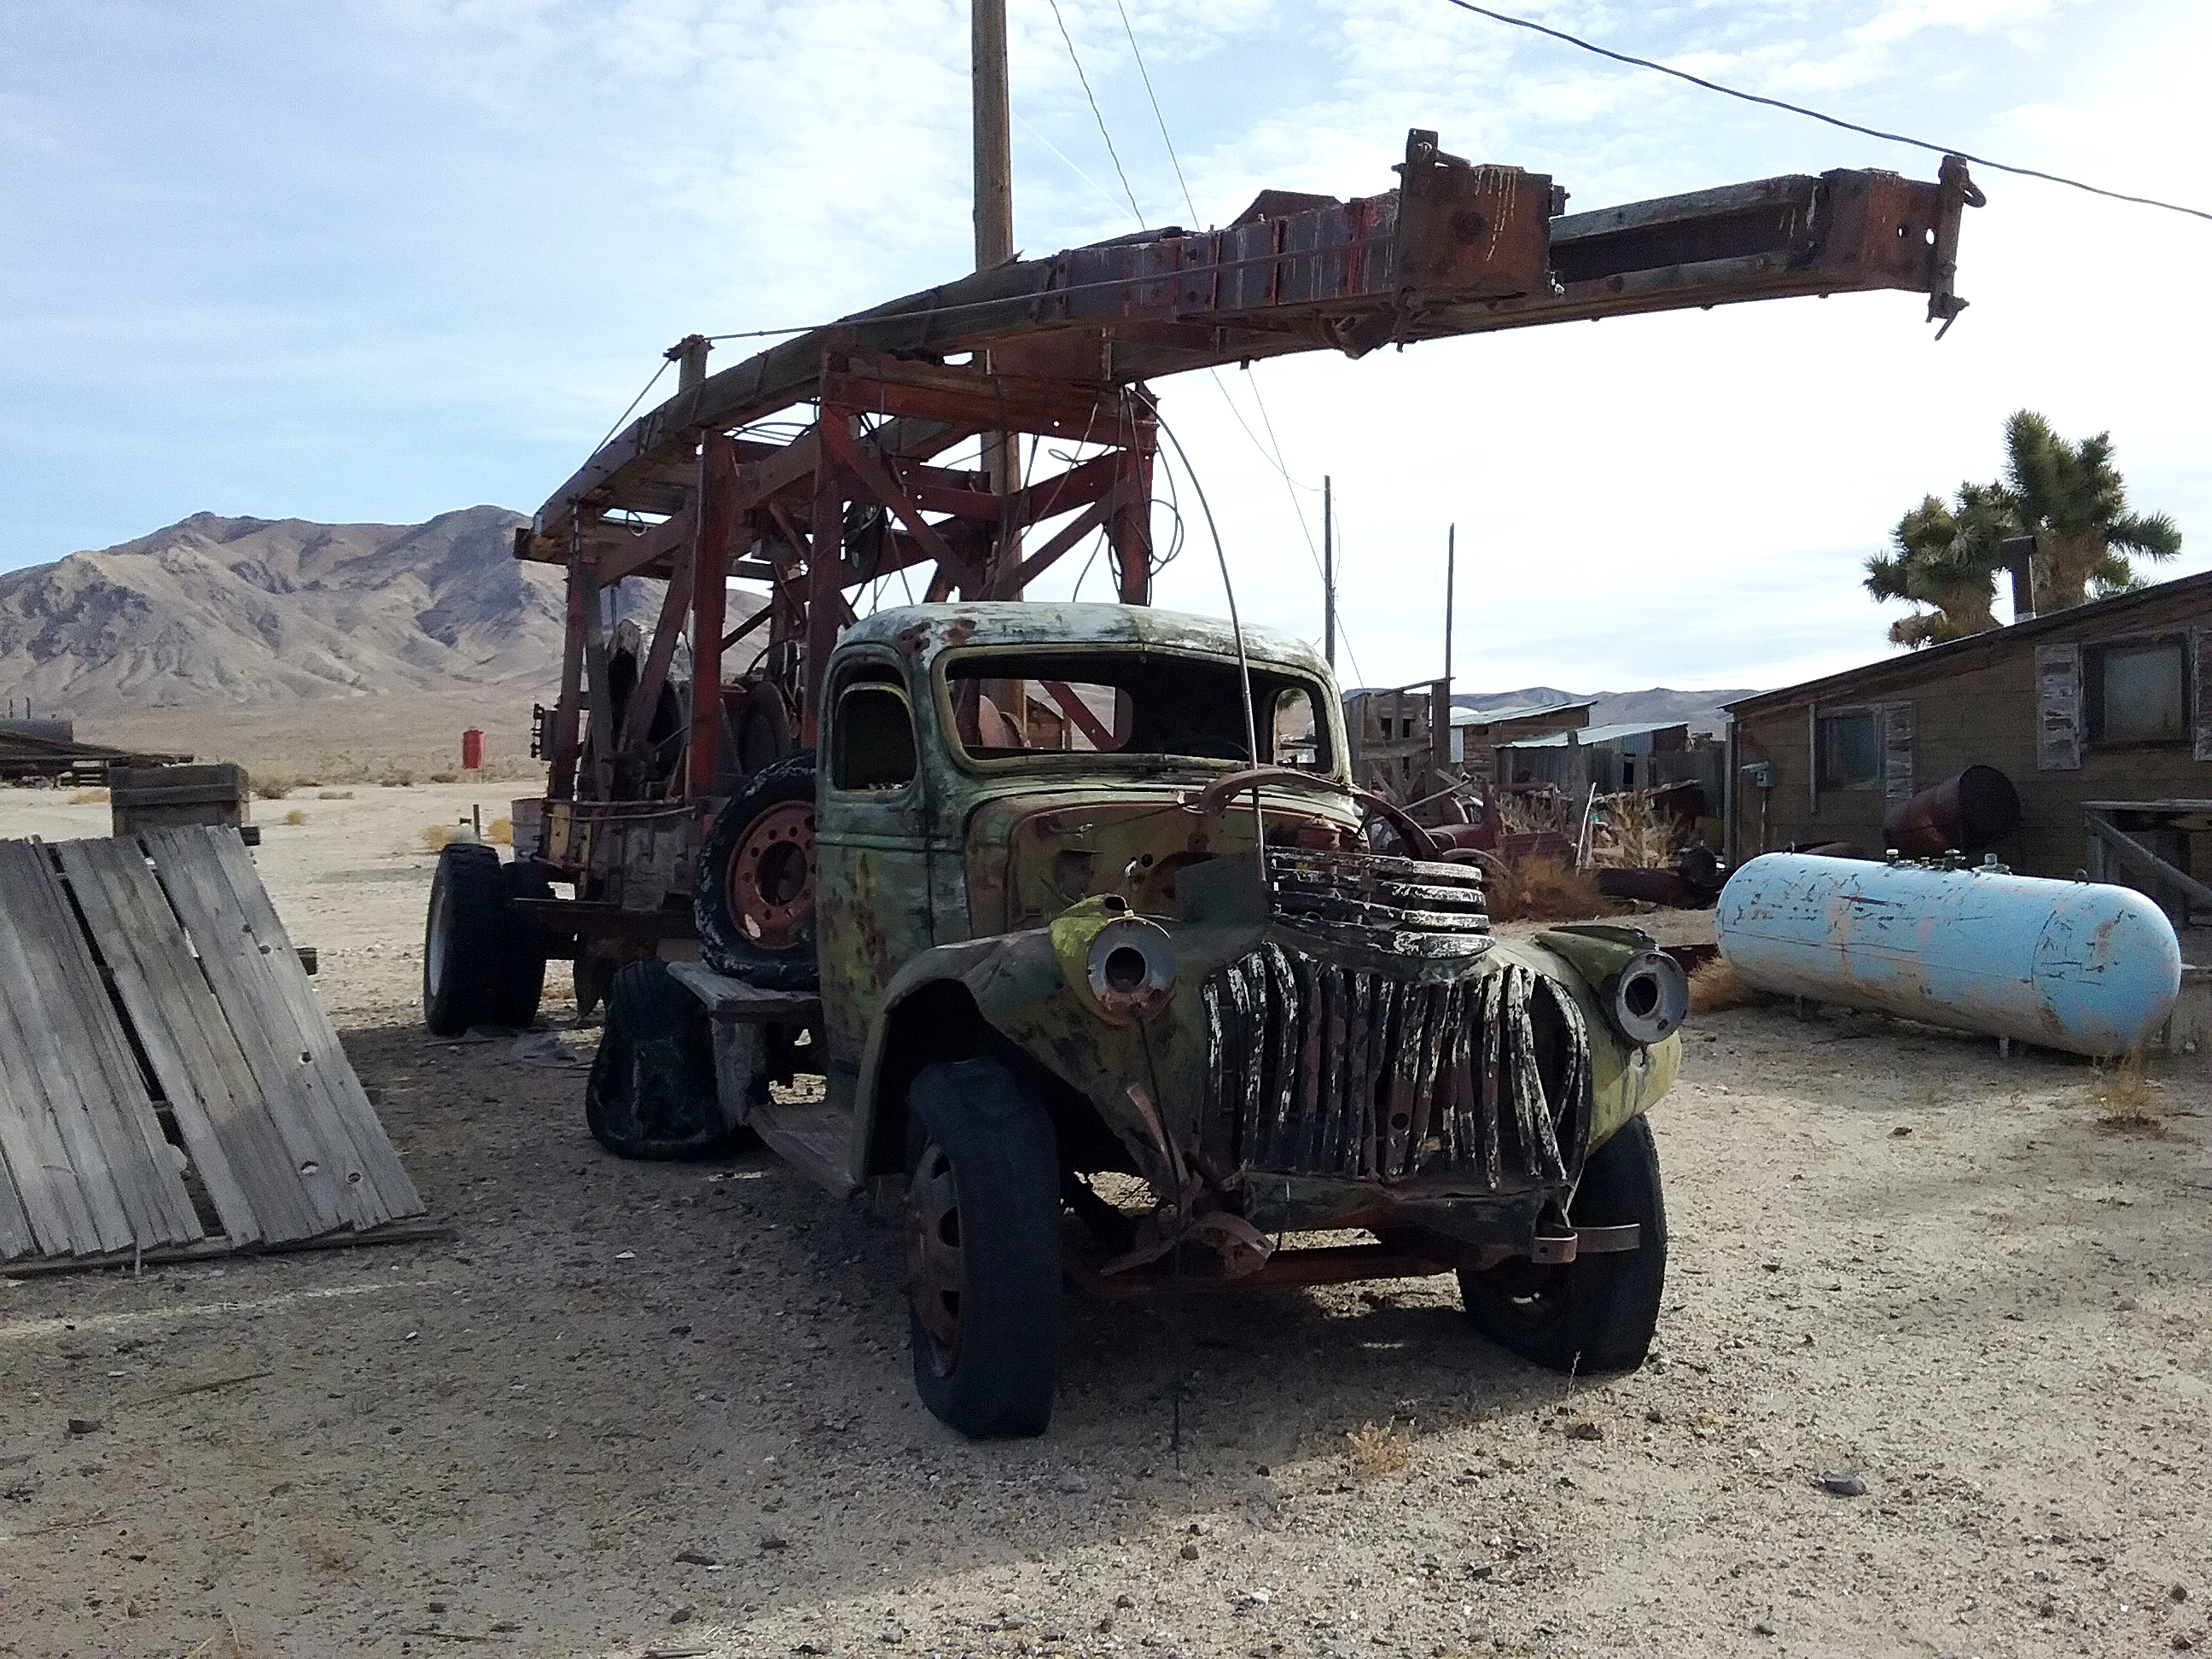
{"points": [[1112, 153], [1137, 52], [1816, 115]]}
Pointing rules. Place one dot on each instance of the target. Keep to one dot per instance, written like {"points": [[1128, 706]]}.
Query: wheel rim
{"points": [[936, 1266], [771, 879]]}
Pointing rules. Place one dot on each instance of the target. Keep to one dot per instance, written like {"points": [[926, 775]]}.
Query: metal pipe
{"points": [[2073, 965]]}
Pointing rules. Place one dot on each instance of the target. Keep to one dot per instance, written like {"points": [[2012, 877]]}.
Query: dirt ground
{"points": [[636, 1408]]}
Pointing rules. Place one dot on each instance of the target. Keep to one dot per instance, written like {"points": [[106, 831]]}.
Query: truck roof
{"points": [[926, 631]]}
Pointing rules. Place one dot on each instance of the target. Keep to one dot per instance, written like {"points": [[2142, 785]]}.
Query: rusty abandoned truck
{"points": [[1104, 965]]}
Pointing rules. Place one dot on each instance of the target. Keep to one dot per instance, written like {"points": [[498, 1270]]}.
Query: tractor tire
{"points": [[753, 891], [520, 975], [469, 977], [983, 1194], [1596, 1313], [650, 1095]]}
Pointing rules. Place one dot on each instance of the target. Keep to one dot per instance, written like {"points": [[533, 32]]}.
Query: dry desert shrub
{"points": [[434, 837], [1632, 834], [445, 777], [273, 786], [88, 797], [1544, 889], [499, 832], [295, 817], [1373, 1450], [2127, 1100], [335, 794], [1716, 985]]}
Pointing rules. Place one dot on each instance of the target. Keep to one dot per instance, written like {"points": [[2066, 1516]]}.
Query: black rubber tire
{"points": [[651, 1094], [519, 976], [465, 939], [998, 1381], [724, 945], [1598, 1312], [763, 727]]}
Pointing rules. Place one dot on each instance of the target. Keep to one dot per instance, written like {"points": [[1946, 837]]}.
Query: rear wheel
{"points": [[1596, 1313], [651, 1094], [753, 900], [982, 1250], [483, 964]]}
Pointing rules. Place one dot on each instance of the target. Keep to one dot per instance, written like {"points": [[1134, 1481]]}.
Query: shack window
{"points": [[875, 739], [1137, 702], [2138, 693], [1850, 751]]}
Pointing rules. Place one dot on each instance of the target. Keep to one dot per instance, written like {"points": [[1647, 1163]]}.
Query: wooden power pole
{"points": [[994, 245]]}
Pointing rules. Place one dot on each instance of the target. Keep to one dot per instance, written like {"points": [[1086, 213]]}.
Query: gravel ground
{"points": [[635, 1408]]}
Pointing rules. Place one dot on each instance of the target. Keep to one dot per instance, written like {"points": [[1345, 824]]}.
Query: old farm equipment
{"points": [[1050, 892]]}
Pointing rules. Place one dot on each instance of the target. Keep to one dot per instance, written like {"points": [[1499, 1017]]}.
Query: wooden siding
{"points": [[2014, 704]]}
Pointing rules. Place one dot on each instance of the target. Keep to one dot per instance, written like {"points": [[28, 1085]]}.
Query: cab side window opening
{"points": [[874, 739]]}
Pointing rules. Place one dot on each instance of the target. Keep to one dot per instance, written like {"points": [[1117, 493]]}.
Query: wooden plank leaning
{"points": [[288, 1041], [332, 1182], [119, 1109], [319, 1037], [51, 1150], [249, 1173]]}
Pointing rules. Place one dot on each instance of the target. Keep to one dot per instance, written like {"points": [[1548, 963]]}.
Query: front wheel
{"points": [[1597, 1313], [982, 1250]]}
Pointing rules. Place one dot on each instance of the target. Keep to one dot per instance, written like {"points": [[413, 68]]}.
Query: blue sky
{"points": [[358, 261]]}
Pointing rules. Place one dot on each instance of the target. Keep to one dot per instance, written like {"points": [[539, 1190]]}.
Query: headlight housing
{"points": [[1130, 968], [1648, 997]]}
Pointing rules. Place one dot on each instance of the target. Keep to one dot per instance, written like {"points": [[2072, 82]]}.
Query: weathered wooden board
{"points": [[198, 970], [88, 1168], [289, 1044]]}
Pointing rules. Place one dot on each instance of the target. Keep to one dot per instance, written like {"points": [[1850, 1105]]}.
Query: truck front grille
{"points": [[1401, 907], [1318, 1068]]}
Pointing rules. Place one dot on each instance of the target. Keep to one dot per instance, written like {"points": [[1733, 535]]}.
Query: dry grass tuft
{"points": [[2127, 1100], [335, 794], [1373, 1451], [445, 777], [273, 786], [324, 1559], [434, 837], [1717, 985], [1546, 889], [499, 832], [295, 817], [89, 798], [1631, 833]]}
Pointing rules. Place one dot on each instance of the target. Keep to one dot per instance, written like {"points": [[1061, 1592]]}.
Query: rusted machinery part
{"points": [[1419, 842], [754, 885], [1220, 795], [764, 727], [1966, 813], [770, 881]]}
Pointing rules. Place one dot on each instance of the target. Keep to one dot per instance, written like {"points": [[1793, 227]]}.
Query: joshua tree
{"points": [[2068, 496], [2071, 498], [1947, 558]]}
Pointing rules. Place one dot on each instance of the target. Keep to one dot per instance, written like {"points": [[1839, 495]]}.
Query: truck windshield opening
{"points": [[1153, 705]]}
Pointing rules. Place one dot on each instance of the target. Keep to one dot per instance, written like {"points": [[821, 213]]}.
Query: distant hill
{"points": [[1700, 710], [247, 610]]}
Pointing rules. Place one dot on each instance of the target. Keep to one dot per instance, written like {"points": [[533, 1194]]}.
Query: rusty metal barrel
{"points": [[1964, 813], [2068, 964]]}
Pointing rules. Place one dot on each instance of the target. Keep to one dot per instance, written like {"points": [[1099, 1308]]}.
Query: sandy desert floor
{"points": [[637, 1408]]}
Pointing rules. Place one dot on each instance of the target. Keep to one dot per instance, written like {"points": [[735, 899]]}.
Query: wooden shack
{"points": [[2106, 704], [1477, 733]]}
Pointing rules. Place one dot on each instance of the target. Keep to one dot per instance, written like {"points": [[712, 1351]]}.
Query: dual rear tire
{"points": [[483, 959]]}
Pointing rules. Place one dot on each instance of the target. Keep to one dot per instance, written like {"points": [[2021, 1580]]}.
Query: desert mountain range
{"points": [[255, 610]]}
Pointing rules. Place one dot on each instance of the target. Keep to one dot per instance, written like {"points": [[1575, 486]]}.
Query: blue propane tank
{"points": [[2068, 964]]}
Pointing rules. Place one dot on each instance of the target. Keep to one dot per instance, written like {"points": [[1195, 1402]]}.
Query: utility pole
{"points": [[1327, 573], [1451, 554], [994, 244]]}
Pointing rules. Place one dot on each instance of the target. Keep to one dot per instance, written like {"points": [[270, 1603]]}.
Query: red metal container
{"points": [[472, 750]]}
